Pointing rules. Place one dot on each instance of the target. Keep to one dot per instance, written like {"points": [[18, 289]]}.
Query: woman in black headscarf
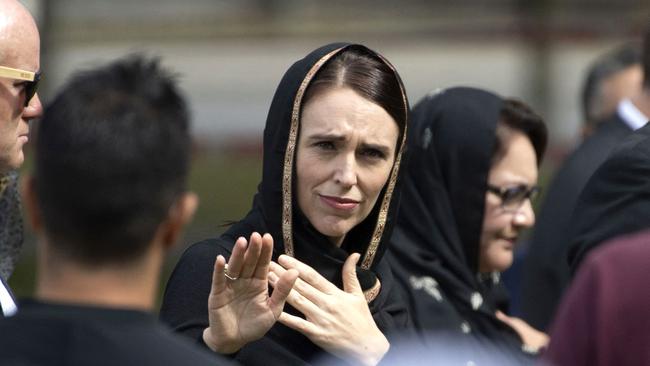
{"points": [[472, 168], [333, 142]]}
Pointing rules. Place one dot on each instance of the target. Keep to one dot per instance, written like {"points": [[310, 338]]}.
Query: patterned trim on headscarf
{"points": [[369, 256], [287, 232], [378, 232]]}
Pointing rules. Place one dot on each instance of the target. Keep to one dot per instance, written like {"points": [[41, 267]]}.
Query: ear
{"points": [[180, 214], [30, 202]]}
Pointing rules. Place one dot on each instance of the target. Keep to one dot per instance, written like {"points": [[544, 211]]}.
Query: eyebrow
{"points": [[335, 137]]}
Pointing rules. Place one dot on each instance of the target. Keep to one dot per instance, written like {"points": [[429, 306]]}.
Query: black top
{"points": [[615, 200], [546, 273], [55, 334], [435, 246], [274, 211]]}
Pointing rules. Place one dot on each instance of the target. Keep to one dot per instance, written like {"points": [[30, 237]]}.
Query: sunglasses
{"points": [[31, 80], [513, 197]]}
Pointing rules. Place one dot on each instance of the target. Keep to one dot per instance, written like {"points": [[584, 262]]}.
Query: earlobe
{"points": [[180, 214]]}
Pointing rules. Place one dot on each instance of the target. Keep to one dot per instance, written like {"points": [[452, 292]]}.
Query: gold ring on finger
{"points": [[225, 273]]}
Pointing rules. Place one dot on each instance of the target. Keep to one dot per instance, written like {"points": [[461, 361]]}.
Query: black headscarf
{"points": [[615, 200], [434, 251], [292, 232], [275, 211]]}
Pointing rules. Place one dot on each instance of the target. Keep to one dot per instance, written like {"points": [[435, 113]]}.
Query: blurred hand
{"points": [[339, 321], [241, 310], [531, 337]]}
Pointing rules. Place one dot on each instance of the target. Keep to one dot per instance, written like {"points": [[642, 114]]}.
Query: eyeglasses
{"points": [[513, 197], [31, 80]]}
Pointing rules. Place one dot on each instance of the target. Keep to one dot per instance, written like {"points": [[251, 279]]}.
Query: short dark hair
{"points": [[112, 156], [517, 116], [368, 75], [617, 60]]}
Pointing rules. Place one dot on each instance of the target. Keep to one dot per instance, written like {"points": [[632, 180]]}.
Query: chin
{"points": [[333, 229], [503, 265]]}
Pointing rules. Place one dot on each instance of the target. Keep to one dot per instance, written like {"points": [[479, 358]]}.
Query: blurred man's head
{"points": [[111, 165], [19, 53], [612, 77]]}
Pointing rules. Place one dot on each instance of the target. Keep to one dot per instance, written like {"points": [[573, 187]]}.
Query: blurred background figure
{"points": [[107, 198], [604, 319], [613, 77], [19, 76]]}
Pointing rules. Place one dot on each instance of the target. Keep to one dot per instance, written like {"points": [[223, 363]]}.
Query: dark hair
{"points": [[368, 75], [605, 66], [517, 116], [112, 156]]}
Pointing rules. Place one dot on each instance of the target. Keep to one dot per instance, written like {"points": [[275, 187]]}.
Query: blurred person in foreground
{"points": [[19, 103], [604, 319], [107, 199], [611, 81]]}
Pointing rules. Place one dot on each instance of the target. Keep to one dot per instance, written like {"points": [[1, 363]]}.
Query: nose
{"points": [[34, 109], [524, 216], [345, 172]]}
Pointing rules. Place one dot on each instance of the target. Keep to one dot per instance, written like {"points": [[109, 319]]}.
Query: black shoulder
{"points": [[185, 302]]}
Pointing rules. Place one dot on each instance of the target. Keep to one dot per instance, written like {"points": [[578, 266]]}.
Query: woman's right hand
{"points": [[241, 310], [532, 338]]}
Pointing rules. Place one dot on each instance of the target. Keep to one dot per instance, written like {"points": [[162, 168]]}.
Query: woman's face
{"points": [[346, 151], [501, 226]]}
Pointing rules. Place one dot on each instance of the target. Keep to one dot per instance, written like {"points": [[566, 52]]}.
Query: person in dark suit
{"points": [[19, 103], [107, 198], [545, 272]]}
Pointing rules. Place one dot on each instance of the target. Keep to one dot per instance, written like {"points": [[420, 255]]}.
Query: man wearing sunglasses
{"points": [[19, 103]]}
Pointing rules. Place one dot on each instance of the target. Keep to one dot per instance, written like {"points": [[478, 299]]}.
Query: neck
{"points": [[130, 286], [337, 240], [642, 101]]}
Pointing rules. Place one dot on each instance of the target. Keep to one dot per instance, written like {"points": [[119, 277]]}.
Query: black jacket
{"points": [[546, 270]]}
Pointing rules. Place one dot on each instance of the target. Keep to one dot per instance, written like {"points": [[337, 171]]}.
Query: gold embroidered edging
{"points": [[287, 233], [372, 292], [369, 256]]}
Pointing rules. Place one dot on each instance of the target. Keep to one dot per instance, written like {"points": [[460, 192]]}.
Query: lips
{"points": [[339, 203], [511, 242]]}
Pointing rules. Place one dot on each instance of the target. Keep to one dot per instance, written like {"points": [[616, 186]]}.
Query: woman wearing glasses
{"points": [[471, 174]]}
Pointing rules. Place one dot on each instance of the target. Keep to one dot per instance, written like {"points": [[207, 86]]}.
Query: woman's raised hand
{"points": [[239, 307], [339, 321]]}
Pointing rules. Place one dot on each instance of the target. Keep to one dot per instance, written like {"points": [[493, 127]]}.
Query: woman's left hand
{"points": [[339, 321]]}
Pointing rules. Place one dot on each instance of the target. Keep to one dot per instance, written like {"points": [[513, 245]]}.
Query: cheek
{"points": [[492, 220], [374, 182]]}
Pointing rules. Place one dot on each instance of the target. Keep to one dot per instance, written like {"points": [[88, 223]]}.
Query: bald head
{"points": [[19, 49], [17, 30]]}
